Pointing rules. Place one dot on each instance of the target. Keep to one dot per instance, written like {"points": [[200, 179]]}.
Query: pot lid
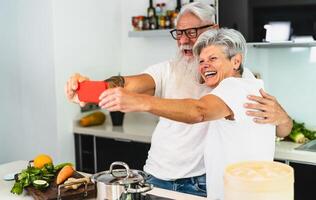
{"points": [[124, 176]]}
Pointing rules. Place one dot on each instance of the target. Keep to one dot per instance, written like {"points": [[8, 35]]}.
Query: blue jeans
{"points": [[194, 185]]}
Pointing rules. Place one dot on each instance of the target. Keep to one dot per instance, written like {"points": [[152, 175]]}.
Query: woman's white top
{"points": [[241, 139]]}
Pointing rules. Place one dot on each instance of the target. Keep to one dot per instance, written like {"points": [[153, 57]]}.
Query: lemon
{"points": [[41, 160]]}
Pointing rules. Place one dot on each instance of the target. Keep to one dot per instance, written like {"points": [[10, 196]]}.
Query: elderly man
{"points": [[175, 159]]}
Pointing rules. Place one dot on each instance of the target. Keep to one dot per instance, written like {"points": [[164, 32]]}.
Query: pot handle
{"points": [[119, 163], [143, 188]]}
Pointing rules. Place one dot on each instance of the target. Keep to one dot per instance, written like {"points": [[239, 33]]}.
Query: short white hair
{"points": [[204, 12], [232, 41]]}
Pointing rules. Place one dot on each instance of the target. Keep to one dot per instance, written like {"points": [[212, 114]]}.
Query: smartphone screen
{"points": [[90, 91]]}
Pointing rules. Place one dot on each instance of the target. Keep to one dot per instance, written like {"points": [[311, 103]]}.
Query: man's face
{"points": [[187, 21]]}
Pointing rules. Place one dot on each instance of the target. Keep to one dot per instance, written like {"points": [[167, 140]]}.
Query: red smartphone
{"points": [[89, 91]]}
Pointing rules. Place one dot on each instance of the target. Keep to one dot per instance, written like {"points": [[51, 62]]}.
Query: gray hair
{"points": [[232, 41], [204, 12]]}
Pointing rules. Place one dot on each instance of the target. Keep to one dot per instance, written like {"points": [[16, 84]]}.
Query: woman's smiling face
{"points": [[215, 66]]}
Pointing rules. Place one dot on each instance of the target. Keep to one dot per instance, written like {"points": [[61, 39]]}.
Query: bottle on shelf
{"points": [[178, 7], [151, 10]]}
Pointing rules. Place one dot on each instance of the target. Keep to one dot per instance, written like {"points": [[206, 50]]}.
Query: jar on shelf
{"points": [[162, 22], [141, 22]]}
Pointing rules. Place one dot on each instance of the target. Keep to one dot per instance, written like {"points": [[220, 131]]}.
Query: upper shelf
{"points": [[150, 33], [281, 44], [166, 32]]}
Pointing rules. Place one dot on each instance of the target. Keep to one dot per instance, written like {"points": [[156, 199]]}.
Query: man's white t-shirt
{"points": [[177, 148], [241, 139]]}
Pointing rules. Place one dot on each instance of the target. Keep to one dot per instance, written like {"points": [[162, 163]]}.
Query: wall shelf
{"points": [[281, 44], [150, 33], [166, 33]]}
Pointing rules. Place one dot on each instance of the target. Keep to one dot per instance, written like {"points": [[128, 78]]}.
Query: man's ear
{"points": [[236, 61]]}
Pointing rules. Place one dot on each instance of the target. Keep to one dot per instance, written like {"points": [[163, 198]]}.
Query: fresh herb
{"points": [[31, 174], [300, 133]]}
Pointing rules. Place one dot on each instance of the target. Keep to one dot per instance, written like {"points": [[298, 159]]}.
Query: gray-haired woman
{"points": [[233, 136]]}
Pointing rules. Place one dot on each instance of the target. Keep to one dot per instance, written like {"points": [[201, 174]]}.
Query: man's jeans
{"points": [[195, 185]]}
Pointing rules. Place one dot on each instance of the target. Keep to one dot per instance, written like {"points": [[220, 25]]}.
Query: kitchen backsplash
{"points": [[290, 75]]}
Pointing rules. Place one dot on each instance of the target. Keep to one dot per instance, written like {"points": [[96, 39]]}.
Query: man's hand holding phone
{"points": [[90, 91]]}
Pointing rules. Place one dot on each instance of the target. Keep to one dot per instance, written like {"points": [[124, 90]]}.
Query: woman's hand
{"points": [[120, 99], [267, 110], [71, 88]]}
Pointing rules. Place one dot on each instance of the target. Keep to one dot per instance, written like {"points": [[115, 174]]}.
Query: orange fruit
{"points": [[41, 160]]}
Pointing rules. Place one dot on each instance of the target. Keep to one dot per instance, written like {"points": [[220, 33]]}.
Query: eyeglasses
{"points": [[189, 32]]}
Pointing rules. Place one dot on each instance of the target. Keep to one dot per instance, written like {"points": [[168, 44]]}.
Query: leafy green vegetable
{"points": [[31, 174], [300, 133], [297, 137], [17, 188]]}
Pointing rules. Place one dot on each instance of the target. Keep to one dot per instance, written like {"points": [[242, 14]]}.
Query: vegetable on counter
{"points": [[300, 134], [40, 184], [66, 172], [76, 182], [31, 174], [96, 118], [38, 176]]}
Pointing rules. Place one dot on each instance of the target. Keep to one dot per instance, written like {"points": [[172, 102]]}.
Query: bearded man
{"points": [[175, 159]]}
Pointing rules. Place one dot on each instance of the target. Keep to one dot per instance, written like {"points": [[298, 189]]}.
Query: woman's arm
{"points": [[207, 108]]}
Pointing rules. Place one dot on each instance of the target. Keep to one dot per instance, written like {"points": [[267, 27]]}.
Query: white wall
{"points": [[289, 74], [42, 44], [87, 40], [27, 79]]}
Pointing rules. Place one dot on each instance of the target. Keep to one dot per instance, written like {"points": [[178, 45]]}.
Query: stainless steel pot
{"points": [[120, 184]]}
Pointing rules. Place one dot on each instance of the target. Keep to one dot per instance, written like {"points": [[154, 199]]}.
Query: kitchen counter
{"points": [[17, 166], [137, 127], [140, 126], [286, 150]]}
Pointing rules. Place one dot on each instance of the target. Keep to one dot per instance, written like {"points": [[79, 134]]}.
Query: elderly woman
{"points": [[233, 136]]}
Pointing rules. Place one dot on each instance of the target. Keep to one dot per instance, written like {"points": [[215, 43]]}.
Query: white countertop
{"points": [[136, 126], [285, 150], [140, 126], [17, 166]]}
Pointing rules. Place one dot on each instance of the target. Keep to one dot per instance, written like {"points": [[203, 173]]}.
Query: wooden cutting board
{"points": [[51, 192]]}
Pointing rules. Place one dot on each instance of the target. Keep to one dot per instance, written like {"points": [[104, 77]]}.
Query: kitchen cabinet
{"points": [[111, 150], [84, 153], [249, 16], [234, 14], [95, 154], [305, 179]]}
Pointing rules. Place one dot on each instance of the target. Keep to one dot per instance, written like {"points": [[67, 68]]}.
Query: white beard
{"points": [[185, 69]]}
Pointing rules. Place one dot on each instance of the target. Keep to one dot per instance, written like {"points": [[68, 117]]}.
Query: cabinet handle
{"points": [[122, 140]]}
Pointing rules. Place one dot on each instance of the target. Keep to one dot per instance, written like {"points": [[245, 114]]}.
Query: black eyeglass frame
{"points": [[185, 31]]}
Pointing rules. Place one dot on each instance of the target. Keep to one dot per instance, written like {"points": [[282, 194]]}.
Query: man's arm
{"points": [[142, 83], [269, 111]]}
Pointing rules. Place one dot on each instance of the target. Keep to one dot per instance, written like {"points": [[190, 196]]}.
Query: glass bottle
{"points": [[151, 12], [178, 8]]}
